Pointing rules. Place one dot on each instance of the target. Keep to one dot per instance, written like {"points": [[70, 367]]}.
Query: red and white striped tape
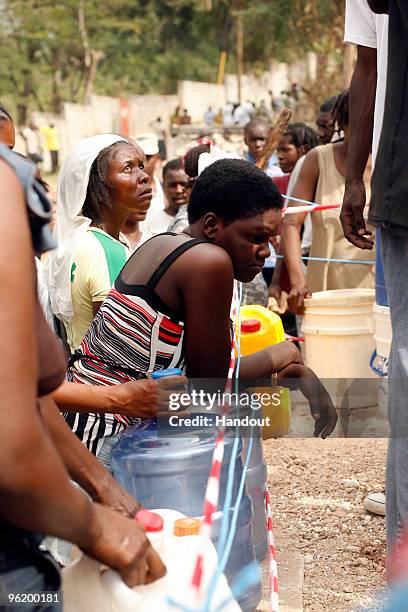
{"points": [[212, 491], [273, 566], [293, 210]]}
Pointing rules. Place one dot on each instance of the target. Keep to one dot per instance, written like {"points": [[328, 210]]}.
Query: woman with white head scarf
{"points": [[100, 183]]}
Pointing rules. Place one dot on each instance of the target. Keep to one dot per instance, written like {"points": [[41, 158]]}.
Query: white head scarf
{"points": [[215, 154], [70, 223]]}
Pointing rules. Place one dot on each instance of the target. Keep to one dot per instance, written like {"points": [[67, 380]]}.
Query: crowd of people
{"points": [[139, 277], [126, 300], [242, 113]]}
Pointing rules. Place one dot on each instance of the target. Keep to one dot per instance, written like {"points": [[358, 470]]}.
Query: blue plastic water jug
{"points": [[164, 472], [256, 477]]}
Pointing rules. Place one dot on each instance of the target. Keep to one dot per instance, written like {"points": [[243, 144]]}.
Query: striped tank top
{"points": [[133, 334]]}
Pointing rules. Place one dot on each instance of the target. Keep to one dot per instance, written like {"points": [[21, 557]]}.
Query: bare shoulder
{"points": [[207, 257], [310, 167], [204, 267], [311, 158]]}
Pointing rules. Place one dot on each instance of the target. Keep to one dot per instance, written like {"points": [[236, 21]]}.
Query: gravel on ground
{"points": [[317, 491]]}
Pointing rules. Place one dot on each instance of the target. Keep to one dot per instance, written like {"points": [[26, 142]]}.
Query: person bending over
{"points": [[170, 306]]}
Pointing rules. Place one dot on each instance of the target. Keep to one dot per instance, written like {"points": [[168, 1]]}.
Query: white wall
{"points": [[278, 78], [197, 96], [103, 114], [145, 109]]}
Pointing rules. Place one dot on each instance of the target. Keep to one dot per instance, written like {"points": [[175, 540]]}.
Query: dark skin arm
{"points": [[379, 6], [138, 398], [36, 493], [362, 104], [207, 337], [305, 189], [275, 288], [95, 307], [321, 407], [83, 466]]}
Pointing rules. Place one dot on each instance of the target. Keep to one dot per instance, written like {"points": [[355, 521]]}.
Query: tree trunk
{"points": [[22, 112], [90, 74], [91, 57], [240, 54], [87, 51], [56, 91]]}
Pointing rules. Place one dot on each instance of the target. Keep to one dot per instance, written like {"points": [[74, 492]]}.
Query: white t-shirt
{"points": [[307, 230], [97, 261], [156, 205], [365, 28], [158, 222]]}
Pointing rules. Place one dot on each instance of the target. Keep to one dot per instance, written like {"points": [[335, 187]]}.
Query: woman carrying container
{"points": [[170, 305], [322, 180]]}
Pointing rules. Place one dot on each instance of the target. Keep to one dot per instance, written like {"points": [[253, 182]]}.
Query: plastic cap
{"points": [[250, 326], [187, 526], [150, 520], [164, 373]]}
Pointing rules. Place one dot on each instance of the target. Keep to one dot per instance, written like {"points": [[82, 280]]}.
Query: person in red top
{"points": [[297, 140]]}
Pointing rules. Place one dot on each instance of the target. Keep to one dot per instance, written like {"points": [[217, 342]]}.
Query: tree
{"points": [[56, 51]]}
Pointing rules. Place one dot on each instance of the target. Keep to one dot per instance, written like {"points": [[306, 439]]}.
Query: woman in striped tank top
{"points": [[170, 305]]}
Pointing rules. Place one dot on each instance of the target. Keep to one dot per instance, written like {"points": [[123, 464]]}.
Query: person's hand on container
{"points": [[296, 298], [149, 398], [278, 299], [297, 376], [275, 291], [121, 544], [352, 215], [117, 498]]}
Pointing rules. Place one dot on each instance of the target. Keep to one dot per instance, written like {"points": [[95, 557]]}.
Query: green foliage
{"points": [[147, 45]]}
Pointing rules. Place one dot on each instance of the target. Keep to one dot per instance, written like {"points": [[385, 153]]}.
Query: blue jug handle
{"points": [[164, 373], [382, 369]]}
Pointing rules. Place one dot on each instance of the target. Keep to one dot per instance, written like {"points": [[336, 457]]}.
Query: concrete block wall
{"points": [[197, 96], [278, 78], [78, 121], [143, 110], [103, 114]]}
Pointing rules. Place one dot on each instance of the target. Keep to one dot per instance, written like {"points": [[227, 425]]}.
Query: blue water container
{"points": [[256, 477], [255, 480], [164, 472], [380, 291]]}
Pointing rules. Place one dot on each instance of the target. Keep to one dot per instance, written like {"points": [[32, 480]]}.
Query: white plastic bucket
{"points": [[338, 330], [339, 343], [382, 330]]}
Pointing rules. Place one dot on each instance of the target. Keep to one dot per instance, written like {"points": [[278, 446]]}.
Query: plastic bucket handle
{"points": [[381, 369]]}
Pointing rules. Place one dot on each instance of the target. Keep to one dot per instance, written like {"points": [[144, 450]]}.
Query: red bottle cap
{"points": [[150, 520], [250, 325]]}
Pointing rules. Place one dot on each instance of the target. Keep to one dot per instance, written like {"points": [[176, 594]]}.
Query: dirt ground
{"points": [[317, 490]]}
